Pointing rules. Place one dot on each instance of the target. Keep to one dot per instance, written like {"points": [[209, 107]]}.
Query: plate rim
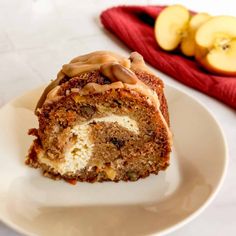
{"points": [[211, 198], [193, 215]]}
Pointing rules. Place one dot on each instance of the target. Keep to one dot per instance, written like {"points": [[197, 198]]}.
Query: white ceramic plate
{"points": [[35, 205]]}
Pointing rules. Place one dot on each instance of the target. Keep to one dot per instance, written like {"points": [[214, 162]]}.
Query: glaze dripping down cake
{"points": [[104, 118]]}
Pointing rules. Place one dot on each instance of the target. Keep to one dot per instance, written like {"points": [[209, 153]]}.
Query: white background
{"points": [[38, 36]]}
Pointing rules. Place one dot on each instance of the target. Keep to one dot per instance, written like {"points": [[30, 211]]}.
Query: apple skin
{"points": [[170, 26], [216, 27], [188, 44], [201, 57], [211, 38]]}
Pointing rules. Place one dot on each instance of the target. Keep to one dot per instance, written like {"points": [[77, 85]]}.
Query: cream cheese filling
{"points": [[77, 157]]}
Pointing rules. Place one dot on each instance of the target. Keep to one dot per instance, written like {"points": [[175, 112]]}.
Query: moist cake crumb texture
{"points": [[104, 118]]}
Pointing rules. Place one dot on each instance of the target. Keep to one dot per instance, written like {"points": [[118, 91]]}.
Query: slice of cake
{"points": [[105, 118]]}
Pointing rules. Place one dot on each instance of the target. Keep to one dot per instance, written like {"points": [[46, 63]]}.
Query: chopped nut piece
{"points": [[123, 74], [110, 172], [117, 142], [132, 175], [87, 111], [106, 70]]}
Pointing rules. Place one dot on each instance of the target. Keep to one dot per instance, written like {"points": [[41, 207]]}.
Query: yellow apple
{"points": [[187, 45], [170, 26], [216, 45]]}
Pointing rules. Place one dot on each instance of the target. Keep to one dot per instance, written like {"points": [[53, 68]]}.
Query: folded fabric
{"points": [[134, 26]]}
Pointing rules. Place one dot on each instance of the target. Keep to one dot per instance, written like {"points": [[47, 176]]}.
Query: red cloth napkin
{"points": [[134, 26]]}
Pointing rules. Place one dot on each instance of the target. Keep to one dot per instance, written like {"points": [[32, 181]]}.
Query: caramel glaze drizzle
{"points": [[115, 67]]}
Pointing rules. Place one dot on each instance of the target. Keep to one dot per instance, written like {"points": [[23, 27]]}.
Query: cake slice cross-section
{"points": [[104, 118]]}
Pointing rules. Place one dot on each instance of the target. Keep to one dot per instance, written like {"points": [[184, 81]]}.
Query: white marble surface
{"points": [[38, 36]]}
